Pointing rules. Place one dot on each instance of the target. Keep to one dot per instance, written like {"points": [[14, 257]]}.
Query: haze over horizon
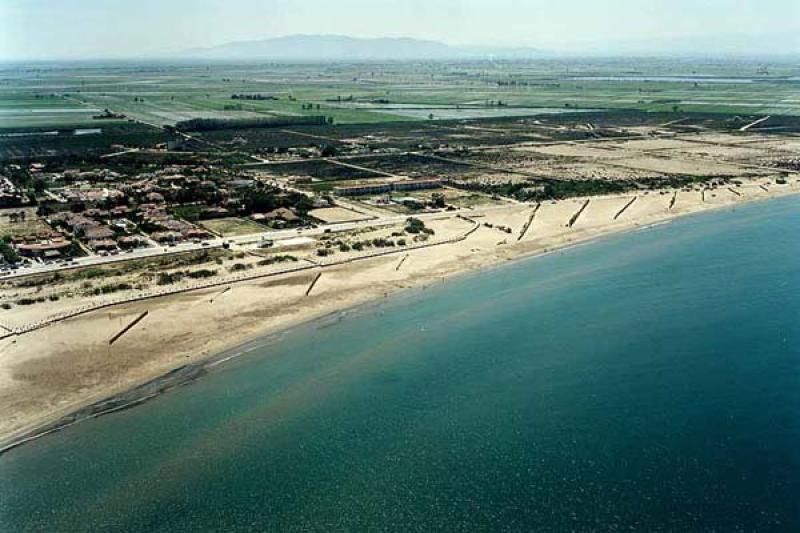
{"points": [[94, 29]]}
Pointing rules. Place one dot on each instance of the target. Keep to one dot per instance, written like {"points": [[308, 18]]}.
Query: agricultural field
{"points": [[41, 95], [489, 132], [25, 109], [43, 141]]}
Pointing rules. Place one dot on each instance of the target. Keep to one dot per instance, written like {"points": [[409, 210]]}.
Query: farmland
{"points": [[163, 94], [145, 159]]}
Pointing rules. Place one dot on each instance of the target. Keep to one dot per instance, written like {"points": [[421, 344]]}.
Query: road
{"points": [[241, 241]]}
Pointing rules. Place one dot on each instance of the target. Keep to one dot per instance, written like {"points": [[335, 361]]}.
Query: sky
{"points": [[75, 29]]}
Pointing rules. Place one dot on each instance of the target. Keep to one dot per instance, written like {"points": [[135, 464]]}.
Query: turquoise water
{"points": [[645, 382]]}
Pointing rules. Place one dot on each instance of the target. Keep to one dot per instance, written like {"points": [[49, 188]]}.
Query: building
{"points": [[367, 189], [102, 245], [49, 249], [167, 237], [416, 185], [282, 213], [98, 232], [196, 234], [131, 241]]}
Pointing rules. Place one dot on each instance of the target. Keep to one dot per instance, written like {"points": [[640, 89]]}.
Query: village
{"points": [[137, 201]]}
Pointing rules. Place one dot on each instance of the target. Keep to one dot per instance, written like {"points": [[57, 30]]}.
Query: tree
{"points": [[437, 199], [414, 225], [8, 253], [39, 185]]}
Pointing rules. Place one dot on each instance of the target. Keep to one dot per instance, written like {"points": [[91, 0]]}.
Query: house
{"points": [[80, 223], [120, 211], [215, 212], [195, 233], [282, 213], [155, 197], [102, 245], [131, 241], [44, 248], [321, 201], [167, 237], [98, 232], [96, 213]]}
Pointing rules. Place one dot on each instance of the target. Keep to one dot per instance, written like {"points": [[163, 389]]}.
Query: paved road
{"points": [[239, 241]]}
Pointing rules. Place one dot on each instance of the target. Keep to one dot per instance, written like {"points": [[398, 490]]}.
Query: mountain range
{"points": [[339, 47]]}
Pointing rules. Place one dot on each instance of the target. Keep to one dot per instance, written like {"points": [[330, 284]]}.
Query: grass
{"points": [[473, 200], [232, 226], [31, 226]]}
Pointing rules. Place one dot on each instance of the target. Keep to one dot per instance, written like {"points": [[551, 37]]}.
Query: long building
{"points": [[415, 185], [363, 189], [367, 189]]}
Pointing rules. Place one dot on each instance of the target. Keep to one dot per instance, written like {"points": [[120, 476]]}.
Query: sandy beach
{"points": [[51, 372]]}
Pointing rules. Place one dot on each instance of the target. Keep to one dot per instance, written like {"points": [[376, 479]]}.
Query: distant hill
{"points": [[339, 47]]}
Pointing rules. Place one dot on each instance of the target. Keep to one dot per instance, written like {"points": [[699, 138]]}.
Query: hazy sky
{"points": [[34, 29]]}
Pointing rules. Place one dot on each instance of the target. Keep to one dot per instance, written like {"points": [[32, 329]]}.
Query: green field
{"points": [[70, 94]]}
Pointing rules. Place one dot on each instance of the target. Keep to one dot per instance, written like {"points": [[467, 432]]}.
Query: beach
{"points": [[48, 373], [618, 384]]}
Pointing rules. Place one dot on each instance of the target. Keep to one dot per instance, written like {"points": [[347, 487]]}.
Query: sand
{"points": [[48, 373]]}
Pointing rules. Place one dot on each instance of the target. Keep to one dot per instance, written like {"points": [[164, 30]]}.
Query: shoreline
{"points": [[186, 374]]}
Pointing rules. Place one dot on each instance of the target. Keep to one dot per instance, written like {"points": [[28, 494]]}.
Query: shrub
{"points": [[165, 278], [414, 225], [204, 273], [277, 259]]}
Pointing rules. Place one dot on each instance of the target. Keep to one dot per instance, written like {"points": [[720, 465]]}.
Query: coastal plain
{"points": [[156, 220]]}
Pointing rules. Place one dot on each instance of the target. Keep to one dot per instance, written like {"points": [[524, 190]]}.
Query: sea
{"points": [[648, 381]]}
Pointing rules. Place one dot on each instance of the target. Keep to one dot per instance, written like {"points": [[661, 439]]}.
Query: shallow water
{"points": [[649, 381]]}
